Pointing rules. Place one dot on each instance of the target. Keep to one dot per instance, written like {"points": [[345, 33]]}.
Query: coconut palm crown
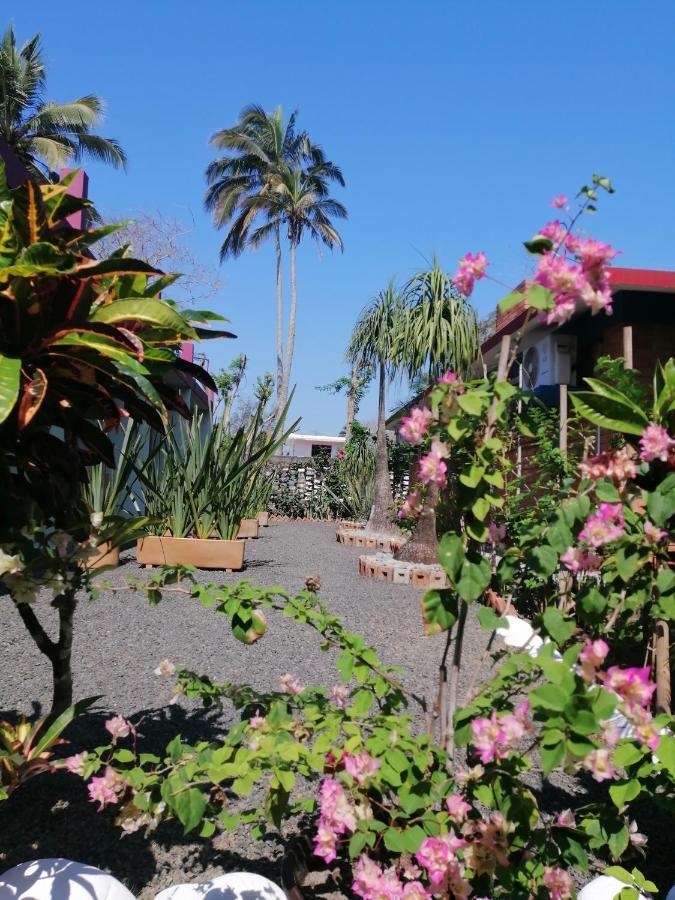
{"points": [[46, 135]]}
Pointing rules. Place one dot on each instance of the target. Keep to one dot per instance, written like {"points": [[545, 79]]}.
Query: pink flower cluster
{"points": [[619, 466], [289, 684], [119, 727], [471, 269], [414, 427], [579, 560], [371, 882], [558, 883], [336, 817], [592, 657], [339, 694], [653, 535], [604, 526], [437, 855], [106, 789], [361, 766], [633, 685], [412, 506], [448, 378], [656, 443], [559, 202], [432, 466], [496, 737], [586, 279]]}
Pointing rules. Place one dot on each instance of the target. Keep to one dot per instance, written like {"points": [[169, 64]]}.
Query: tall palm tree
{"points": [[439, 332], [273, 180], [256, 149], [43, 134], [373, 342]]}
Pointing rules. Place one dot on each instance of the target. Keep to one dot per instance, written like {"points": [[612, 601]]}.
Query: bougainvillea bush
{"points": [[434, 795]]}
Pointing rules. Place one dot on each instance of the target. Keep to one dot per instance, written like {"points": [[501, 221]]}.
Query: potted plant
{"points": [[197, 486]]}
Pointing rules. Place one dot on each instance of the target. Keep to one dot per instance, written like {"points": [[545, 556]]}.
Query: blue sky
{"points": [[454, 123]]}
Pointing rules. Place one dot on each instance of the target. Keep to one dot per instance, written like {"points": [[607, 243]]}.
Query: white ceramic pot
{"points": [[233, 886], [60, 879]]}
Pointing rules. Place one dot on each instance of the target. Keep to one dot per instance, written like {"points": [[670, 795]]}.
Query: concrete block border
{"points": [[383, 567]]}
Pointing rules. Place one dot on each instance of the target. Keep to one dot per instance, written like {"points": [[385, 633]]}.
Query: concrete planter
{"points": [[204, 553], [263, 519], [248, 528], [105, 555]]}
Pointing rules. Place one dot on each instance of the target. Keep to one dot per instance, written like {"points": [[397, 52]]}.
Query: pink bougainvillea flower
{"points": [[653, 535], [432, 467], [604, 526], [325, 844], [655, 443], [361, 766], [336, 813], [412, 506], [576, 559], [257, 721], [592, 254], [414, 427], [594, 653], [434, 855], [339, 694], [457, 807], [493, 837], [599, 764], [633, 685], [645, 730], [367, 875], [118, 727], [565, 819], [76, 763], [559, 202], [106, 789], [556, 232], [558, 883], [415, 890], [448, 378], [618, 465], [471, 269], [488, 738], [289, 684]]}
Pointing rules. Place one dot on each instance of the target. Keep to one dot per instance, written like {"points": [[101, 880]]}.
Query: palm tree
{"points": [[439, 332], [272, 180], [256, 150], [43, 134], [373, 342]]}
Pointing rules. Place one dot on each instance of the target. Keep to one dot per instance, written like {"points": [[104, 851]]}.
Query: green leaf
{"points": [[510, 301], [618, 841], [10, 379], [619, 873], [538, 244], [551, 756], [439, 611], [471, 403], [356, 843], [560, 629], [622, 793], [549, 696], [609, 409], [546, 560], [152, 312], [539, 297], [474, 580], [606, 492], [451, 555], [189, 806], [488, 618]]}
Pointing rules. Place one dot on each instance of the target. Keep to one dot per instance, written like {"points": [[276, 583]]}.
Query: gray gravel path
{"points": [[119, 641]]}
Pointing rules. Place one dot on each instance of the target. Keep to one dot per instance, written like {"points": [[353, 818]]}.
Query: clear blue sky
{"points": [[454, 123]]}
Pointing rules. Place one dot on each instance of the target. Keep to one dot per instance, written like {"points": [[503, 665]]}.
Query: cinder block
{"points": [[371, 543], [385, 572], [420, 578], [401, 574], [438, 579]]}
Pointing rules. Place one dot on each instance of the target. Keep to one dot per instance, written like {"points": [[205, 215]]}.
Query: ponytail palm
{"points": [[373, 343], [43, 134], [440, 332]]}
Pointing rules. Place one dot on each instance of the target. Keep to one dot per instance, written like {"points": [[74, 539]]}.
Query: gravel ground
{"points": [[119, 641]]}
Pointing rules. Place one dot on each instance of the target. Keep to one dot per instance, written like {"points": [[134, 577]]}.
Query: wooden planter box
{"points": [[204, 553], [248, 528], [263, 519], [105, 556]]}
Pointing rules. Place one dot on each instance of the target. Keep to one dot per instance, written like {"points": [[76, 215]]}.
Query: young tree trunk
{"points": [[422, 546], [290, 336], [59, 652], [351, 402], [662, 667], [382, 499]]}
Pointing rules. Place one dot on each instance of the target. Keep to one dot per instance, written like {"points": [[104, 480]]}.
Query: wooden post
{"points": [[563, 418], [662, 667], [628, 346]]}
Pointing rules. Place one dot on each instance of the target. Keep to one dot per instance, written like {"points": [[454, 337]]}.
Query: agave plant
{"points": [[81, 339], [108, 491]]}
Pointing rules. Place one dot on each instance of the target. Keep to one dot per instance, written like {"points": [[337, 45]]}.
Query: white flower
{"points": [[96, 519], [22, 589], [166, 669], [9, 565]]}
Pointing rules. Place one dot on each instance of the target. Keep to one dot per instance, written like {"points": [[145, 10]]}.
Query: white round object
{"points": [[604, 887], [233, 886], [520, 634], [60, 879]]}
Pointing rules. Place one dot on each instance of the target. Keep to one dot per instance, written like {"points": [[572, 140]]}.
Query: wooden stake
{"points": [[662, 667], [628, 346], [563, 418]]}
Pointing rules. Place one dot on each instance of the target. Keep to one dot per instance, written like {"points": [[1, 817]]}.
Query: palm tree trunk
{"points": [[351, 402], [280, 313], [290, 334], [382, 499], [422, 547]]}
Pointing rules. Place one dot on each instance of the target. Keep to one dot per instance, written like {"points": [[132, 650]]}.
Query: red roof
{"points": [[620, 279]]}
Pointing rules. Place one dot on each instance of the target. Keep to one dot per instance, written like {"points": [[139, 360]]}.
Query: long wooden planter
{"points": [[248, 528], [204, 553], [105, 556], [263, 519]]}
